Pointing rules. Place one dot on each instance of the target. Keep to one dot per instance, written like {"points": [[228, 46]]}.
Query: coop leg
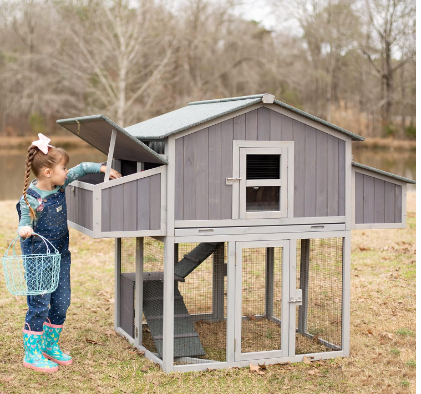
{"points": [[270, 257], [304, 276], [218, 284], [139, 293], [117, 272]]}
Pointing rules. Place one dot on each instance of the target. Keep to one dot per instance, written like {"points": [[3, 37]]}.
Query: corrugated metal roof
{"points": [[199, 112], [401, 178]]}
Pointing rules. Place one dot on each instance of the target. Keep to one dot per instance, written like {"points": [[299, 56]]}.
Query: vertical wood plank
{"points": [[310, 173], [189, 186], [179, 178], [287, 129], [359, 198], [215, 172], [227, 170], [155, 202], [201, 174], [398, 204], [299, 171], [143, 198], [130, 205], [321, 174], [263, 124], [105, 209], [378, 201], [275, 126], [342, 186], [332, 176], [116, 211], [389, 202], [240, 127], [251, 125], [368, 199]]}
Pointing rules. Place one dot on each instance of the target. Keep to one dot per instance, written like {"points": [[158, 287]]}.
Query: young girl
{"points": [[42, 209]]}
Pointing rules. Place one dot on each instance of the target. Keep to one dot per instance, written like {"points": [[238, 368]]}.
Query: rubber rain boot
{"points": [[50, 348], [33, 356]]}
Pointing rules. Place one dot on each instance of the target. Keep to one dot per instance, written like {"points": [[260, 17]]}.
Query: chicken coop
{"points": [[232, 223]]}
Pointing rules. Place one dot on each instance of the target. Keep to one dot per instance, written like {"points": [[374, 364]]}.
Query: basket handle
{"points": [[33, 233]]}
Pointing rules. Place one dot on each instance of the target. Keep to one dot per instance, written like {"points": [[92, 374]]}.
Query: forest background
{"points": [[351, 62]]}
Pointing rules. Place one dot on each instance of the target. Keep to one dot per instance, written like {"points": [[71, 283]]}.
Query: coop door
{"points": [[262, 300]]}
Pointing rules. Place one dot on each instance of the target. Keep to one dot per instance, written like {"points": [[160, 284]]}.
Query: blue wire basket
{"points": [[31, 274]]}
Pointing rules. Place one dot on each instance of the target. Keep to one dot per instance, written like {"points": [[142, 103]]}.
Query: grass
{"points": [[382, 349]]}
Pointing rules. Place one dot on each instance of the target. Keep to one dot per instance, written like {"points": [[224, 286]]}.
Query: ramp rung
{"points": [[175, 316], [187, 335]]}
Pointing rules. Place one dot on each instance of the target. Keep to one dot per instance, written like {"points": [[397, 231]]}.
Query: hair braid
{"points": [[32, 150]]}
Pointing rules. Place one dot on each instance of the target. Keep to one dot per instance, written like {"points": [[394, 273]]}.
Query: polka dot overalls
{"points": [[52, 224]]}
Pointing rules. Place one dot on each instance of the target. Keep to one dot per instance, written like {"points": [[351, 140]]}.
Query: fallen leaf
{"points": [[312, 372], [92, 341], [262, 366], [256, 368], [386, 335], [110, 332], [370, 332], [306, 360]]}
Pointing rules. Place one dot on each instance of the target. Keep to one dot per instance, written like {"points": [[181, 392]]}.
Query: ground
{"points": [[382, 358]]}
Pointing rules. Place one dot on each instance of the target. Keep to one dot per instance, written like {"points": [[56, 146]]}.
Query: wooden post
{"points": [[304, 276], [110, 155], [117, 272], [270, 258], [139, 293], [218, 284]]}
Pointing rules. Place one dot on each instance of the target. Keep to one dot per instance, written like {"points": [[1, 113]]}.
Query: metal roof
{"points": [[199, 112], [363, 166], [96, 131]]}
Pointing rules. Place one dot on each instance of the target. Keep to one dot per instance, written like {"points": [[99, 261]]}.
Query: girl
{"points": [[42, 209]]}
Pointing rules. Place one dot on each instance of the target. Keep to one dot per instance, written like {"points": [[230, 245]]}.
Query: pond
{"points": [[12, 165]]}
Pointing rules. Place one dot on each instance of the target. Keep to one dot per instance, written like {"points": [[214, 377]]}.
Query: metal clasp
{"points": [[230, 181]]}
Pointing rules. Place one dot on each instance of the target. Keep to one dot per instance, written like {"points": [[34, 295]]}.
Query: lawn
{"points": [[382, 345]]}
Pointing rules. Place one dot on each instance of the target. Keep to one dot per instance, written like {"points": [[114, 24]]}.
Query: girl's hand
{"points": [[113, 173], [25, 231]]}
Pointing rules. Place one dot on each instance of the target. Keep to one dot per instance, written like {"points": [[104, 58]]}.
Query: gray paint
{"points": [[204, 161], [132, 206], [80, 207], [376, 200]]}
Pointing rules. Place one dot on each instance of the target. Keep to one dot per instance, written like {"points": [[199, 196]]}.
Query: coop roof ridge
{"points": [[365, 167], [223, 100]]}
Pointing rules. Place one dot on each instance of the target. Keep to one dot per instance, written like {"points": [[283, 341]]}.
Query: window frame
{"points": [[286, 182]]}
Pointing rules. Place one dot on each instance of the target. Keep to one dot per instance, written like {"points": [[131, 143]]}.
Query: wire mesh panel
{"points": [[319, 275], [261, 299], [200, 303], [153, 295], [127, 284]]}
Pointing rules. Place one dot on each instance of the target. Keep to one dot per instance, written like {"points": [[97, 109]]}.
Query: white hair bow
{"points": [[42, 143]]}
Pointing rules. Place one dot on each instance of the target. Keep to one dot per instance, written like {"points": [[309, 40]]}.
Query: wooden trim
{"points": [[83, 230], [208, 232], [370, 226], [264, 182], [267, 361], [169, 205], [82, 185], [378, 176], [117, 270], [131, 177], [137, 233], [139, 292], [291, 307], [346, 293], [348, 181], [352, 200], [308, 122], [258, 222], [110, 155], [150, 356], [124, 334], [231, 280], [258, 237], [165, 202]]}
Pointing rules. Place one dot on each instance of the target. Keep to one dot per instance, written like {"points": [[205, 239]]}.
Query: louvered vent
{"points": [[263, 166]]}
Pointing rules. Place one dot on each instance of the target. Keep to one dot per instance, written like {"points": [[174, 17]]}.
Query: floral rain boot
{"points": [[50, 348], [33, 357]]}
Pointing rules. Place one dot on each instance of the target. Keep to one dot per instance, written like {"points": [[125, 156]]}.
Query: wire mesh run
{"points": [[200, 303], [319, 275], [261, 299]]}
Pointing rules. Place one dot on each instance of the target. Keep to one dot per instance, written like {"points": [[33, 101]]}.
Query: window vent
{"points": [[263, 166]]}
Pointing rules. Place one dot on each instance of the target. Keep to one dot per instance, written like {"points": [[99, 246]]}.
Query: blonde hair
{"points": [[36, 161]]}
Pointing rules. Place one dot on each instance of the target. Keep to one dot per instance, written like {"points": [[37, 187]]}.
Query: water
{"points": [[12, 165]]}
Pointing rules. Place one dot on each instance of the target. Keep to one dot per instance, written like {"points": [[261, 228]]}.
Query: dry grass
{"points": [[383, 328]]}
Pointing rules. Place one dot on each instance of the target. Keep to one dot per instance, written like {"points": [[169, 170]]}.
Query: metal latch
{"points": [[230, 181], [298, 299]]}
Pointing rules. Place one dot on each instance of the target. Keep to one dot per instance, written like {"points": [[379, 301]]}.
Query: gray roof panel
{"points": [[400, 178], [199, 112]]}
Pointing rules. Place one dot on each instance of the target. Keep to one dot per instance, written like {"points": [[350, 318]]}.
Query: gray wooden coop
{"points": [[233, 224]]}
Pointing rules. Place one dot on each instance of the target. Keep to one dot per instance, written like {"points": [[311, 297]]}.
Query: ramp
{"points": [[186, 338]]}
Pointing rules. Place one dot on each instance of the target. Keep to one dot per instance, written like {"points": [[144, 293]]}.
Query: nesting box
{"points": [[233, 224]]}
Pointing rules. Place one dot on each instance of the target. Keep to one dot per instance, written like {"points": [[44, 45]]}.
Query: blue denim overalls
{"points": [[51, 224]]}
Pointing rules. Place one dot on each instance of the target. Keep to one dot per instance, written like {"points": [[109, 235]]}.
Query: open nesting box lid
{"points": [[96, 130]]}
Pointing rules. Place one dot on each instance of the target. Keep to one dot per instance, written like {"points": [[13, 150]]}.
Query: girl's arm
{"points": [[88, 168], [25, 218]]}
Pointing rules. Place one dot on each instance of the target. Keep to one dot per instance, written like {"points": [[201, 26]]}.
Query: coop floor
{"points": [[257, 335]]}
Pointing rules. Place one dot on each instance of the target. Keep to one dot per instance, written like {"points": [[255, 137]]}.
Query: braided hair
{"points": [[36, 161]]}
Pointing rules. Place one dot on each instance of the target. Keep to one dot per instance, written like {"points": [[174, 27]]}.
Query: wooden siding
{"points": [[132, 206], [80, 207], [204, 161], [376, 200]]}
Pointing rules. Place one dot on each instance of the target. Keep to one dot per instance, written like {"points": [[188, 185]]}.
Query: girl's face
{"points": [[59, 174]]}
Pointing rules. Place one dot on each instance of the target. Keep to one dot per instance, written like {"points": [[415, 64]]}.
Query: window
{"points": [[265, 179]]}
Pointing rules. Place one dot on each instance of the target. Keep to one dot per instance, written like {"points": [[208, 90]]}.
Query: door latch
{"points": [[230, 181]]}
